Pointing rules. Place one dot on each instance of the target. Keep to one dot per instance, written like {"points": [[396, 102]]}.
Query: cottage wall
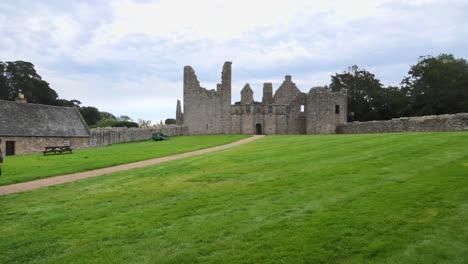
{"points": [[28, 145]]}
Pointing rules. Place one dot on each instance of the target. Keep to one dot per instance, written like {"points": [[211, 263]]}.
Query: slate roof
{"points": [[35, 120]]}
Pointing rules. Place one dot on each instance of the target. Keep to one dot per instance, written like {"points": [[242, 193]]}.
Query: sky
{"points": [[127, 57]]}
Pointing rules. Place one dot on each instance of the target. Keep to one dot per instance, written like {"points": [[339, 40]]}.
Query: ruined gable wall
{"points": [[286, 92], [201, 106], [320, 111], [435, 123]]}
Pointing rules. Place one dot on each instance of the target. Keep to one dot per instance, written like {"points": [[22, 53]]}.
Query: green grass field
{"points": [[382, 198], [30, 167]]}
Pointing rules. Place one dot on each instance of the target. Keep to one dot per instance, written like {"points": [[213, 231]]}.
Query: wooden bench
{"points": [[57, 149]]}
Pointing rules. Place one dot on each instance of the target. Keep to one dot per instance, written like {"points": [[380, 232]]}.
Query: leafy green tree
{"points": [[21, 76], [124, 118], [107, 115], [438, 85], [90, 114], [363, 93], [392, 102], [125, 124], [170, 121], [68, 103]]}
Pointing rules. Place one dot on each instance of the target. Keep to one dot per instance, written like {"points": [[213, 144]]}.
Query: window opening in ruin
{"points": [[270, 109], [337, 109], [206, 126], [302, 108], [247, 109]]}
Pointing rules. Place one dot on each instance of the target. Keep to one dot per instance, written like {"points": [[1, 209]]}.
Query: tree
{"points": [[68, 103], [90, 114], [125, 124], [125, 118], [170, 121], [438, 85], [107, 115], [392, 102], [144, 123], [21, 76], [363, 93]]}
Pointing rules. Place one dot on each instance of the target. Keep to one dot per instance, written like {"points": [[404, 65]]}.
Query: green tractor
{"points": [[158, 136]]}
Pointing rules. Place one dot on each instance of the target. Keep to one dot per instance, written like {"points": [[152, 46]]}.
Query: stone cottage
{"points": [[28, 128], [287, 111]]}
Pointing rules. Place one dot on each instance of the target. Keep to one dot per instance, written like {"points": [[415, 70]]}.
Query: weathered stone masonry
{"points": [[111, 135], [288, 111], [435, 123]]}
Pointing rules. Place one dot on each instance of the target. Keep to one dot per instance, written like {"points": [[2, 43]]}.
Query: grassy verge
{"points": [[30, 167], [394, 198]]}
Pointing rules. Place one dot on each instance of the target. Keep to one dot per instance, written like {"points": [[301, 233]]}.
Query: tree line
{"points": [[21, 77], [433, 86]]}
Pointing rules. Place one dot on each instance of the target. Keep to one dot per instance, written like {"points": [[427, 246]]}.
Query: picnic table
{"points": [[57, 149]]}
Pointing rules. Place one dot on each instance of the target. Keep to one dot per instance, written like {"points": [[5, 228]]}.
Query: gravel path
{"points": [[32, 185]]}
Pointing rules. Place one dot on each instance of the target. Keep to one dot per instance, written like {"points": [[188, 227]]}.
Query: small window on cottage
{"points": [[302, 108], [337, 109], [247, 109], [66, 143], [270, 109]]}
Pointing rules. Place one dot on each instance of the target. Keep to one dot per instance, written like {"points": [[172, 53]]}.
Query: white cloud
{"points": [[127, 56]]}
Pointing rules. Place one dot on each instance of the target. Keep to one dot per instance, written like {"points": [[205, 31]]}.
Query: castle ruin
{"points": [[287, 111]]}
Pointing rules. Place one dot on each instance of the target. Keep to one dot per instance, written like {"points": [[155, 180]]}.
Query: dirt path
{"points": [[32, 185]]}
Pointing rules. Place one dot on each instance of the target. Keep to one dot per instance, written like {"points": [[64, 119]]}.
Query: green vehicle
{"points": [[158, 136]]}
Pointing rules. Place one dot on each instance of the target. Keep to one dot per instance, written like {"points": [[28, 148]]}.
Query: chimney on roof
{"points": [[20, 99], [288, 78]]}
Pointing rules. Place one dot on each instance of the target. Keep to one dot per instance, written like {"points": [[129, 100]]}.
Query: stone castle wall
{"points": [[435, 123], [111, 135], [288, 111], [322, 117]]}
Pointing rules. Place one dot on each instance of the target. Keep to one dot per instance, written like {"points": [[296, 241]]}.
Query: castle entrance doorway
{"points": [[258, 129]]}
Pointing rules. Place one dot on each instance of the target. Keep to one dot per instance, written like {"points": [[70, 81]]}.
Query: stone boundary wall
{"points": [[434, 123], [111, 135]]}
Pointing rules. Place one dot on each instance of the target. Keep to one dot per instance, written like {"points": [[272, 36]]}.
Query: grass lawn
{"points": [[29, 167], [381, 198]]}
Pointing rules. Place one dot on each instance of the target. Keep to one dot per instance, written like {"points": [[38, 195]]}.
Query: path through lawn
{"points": [[29, 167]]}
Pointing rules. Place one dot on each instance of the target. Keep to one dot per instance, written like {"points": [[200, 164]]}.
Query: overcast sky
{"points": [[127, 57]]}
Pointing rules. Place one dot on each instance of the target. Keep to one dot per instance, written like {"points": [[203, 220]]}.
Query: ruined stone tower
{"points": [[179, 115], [287, 111], [207, 111]]}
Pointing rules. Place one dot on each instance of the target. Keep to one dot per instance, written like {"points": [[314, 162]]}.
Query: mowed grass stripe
{"points": [[394, 198], [30, 167]]}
